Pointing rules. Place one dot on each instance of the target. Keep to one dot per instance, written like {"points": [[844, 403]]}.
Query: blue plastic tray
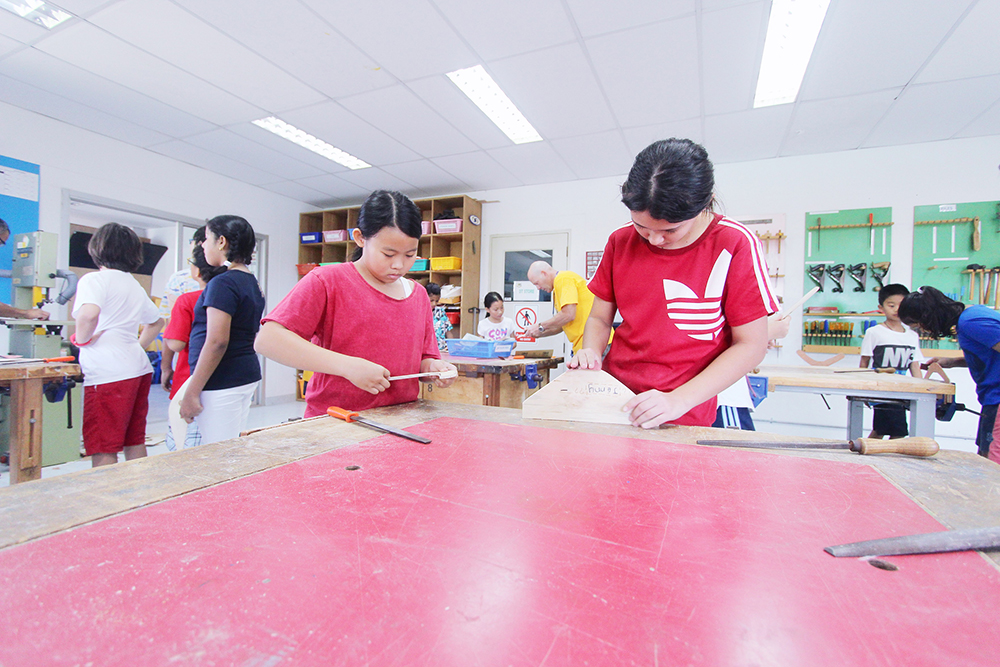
{"points": [[480, 349]]}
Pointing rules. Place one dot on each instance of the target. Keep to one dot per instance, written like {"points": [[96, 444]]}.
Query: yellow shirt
{"points": [[567, 288]]}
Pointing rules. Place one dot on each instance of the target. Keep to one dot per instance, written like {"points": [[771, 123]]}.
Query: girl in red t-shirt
{"points": [[358, 323], [691, 286]]}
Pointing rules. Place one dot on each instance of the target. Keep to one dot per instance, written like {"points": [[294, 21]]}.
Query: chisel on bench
{"points": [[913, 446], [349, 416]]}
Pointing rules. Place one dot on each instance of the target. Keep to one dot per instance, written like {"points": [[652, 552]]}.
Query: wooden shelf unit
{"points": [[466, 244]]}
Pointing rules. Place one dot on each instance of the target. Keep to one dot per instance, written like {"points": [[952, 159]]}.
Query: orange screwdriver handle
{"points": [[341, 413], [60, 359]]}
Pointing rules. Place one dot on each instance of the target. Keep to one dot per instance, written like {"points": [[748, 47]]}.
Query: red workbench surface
{"points": [[504, 545]]}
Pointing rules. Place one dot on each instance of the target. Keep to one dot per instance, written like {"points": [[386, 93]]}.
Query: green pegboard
{"points": [[943, 250], [849, 237]]}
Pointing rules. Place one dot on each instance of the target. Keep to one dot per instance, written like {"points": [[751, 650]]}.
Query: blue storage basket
{"points": [[480, 349]]}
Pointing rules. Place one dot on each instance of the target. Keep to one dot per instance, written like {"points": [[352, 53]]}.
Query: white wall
{"points": [[78, 160], [901, 177]]}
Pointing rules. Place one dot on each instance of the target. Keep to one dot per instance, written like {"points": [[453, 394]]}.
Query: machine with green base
{"points": [[33, 277]]}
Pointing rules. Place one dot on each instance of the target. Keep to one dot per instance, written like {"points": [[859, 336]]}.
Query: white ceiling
{"points": [[599, 79]]}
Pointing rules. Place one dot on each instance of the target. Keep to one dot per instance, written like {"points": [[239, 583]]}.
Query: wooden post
{"points": [[25, 429]]}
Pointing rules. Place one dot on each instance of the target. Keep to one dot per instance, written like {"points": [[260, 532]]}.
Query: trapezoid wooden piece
{"points": [[579, 395]]}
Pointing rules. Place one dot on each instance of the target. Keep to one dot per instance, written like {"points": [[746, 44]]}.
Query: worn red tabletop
{"points": [[504, 545]]}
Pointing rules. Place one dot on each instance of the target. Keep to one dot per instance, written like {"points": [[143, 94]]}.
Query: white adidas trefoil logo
{"points": [[701, 318]]}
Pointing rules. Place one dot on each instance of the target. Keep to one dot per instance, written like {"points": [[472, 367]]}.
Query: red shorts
{"points": [[114, 415]]}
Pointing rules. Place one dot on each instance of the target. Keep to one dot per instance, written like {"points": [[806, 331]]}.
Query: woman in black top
{"points": [[225, 370]]}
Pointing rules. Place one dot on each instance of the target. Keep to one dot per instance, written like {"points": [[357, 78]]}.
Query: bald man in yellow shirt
{"points": [[571, 298]]}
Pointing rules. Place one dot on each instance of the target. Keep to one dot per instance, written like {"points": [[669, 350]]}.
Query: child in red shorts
{"points": [[110, 307]]}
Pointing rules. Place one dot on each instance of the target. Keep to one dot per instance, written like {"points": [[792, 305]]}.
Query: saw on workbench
{"points": [[913, 446]]}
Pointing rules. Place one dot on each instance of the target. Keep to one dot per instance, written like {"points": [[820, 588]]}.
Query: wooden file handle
{"points": [[341, 413], [915, 446]]}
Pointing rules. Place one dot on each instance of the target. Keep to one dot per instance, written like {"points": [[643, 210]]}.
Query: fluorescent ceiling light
{"points": [[306, 140], [792, 30], [492, 101], [44, 14]]}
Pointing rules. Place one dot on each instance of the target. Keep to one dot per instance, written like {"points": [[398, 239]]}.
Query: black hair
{"points": [[199, 235], [205, 270], [115, 246], [672, 180], [932, 311], [433, 289], [387, 208], [4, 227], [892, 289], [239, 235], [491, 298]]}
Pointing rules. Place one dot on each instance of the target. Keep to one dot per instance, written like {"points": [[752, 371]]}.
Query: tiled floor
{"points": [[156, 428]]}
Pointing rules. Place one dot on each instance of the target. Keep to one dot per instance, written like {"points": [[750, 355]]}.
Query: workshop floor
{"points": [[156, 428]]}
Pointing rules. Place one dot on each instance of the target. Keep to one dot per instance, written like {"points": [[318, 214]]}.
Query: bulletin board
{"points": [[18, 208], [848, 253], [945, 245]]}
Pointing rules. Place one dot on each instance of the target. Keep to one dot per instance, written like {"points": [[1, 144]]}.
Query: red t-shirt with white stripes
{"points": [[677, 306]]}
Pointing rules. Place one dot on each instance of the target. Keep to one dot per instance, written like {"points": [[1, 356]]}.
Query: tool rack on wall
{"points": [[848, 256]]}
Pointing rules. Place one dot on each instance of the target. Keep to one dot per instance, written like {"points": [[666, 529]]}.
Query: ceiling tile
{"points": [[840, 124], [638, 138], [987, 123], [556, 91], [274, 142], [398, 112], [7, 45], [338, 126], [296, 191], [732, 41], [446, 99], [297, 40], [21, 30], [972, 50], [500, 29], [409, 39], [667, 92], [595, 155], [169, 32], [533, 163], [103, 54], [479, 170], [597, 18], [377, 179], [746, 135], [56, 76], [336, 188], [866, 46], [243, 150], [934, 111], [427, 176], [199, 157], [82, 7], [40, 101]]}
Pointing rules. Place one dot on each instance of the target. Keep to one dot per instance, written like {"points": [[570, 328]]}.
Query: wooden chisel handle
{"points": [[915, 446]]}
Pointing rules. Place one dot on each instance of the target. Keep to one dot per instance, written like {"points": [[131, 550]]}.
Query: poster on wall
{"points": [[18, 208]]}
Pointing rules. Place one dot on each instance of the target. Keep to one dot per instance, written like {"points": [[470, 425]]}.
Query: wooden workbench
{"points": [[494, 382], [860, 387], [26, 382], [564, 570]]}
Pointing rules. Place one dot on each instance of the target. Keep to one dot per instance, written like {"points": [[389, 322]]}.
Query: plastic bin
{"points": [[421, 264], [480, 349], [306, 268], [448, 226], [425, 227], [310, 237], [334, 235], [446, 263]]}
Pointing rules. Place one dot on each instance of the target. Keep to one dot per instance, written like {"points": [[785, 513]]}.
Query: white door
{"points": [[510, 257]]}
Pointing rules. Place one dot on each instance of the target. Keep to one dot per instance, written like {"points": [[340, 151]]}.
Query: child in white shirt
{"points": [[495, 326]]}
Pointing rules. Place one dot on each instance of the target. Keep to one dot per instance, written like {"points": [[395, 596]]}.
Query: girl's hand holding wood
{"points": [[586, 359], [367, 376], [191, 406], [652, 408], [431, 365]]}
